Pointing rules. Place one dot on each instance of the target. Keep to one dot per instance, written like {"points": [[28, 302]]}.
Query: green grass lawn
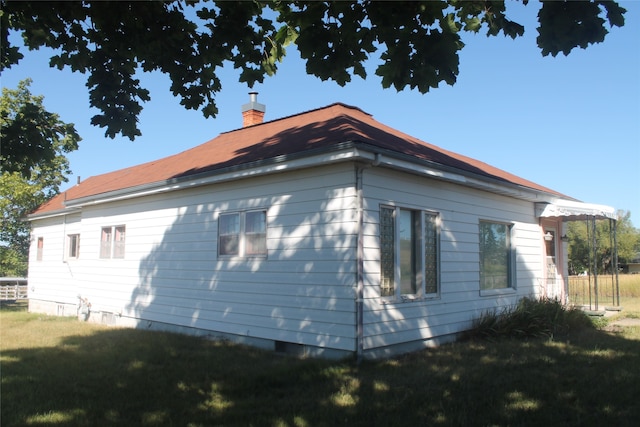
{"points": [[61, 372]]}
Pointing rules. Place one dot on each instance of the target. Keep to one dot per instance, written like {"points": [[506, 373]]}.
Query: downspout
{"points": [[64, 240], [360, 256], [64, 230], [614, 225], [594, 240]]}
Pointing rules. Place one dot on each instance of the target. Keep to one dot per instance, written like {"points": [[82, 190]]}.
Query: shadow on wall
{"points": [[302, 292], [322, 135]]}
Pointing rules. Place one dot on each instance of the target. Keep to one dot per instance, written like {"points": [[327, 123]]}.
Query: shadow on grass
{"points": [[14, 305], [132, 377]]}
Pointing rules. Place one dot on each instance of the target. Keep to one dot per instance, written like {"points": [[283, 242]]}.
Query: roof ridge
{"points": [[297, 133], [313, 110]]}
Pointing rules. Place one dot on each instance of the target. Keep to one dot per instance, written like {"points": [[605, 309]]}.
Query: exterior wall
{"points": [[396, 326], [633, 268], [301, 296], [52, 287], [302, 292]]}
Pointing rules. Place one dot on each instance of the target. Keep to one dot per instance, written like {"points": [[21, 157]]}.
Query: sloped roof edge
{"points": [[301, 134]]}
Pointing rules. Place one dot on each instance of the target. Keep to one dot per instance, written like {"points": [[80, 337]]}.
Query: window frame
{"points": [[418, 244], [242, 236], [39, 248], [510, 255], [73, 246], [114, 246], [119, 241]]}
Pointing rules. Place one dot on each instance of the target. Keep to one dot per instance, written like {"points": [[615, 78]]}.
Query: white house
{"points": [[324, 233]]}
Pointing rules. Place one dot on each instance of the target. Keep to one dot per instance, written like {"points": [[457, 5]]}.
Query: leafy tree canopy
{"points": [[33, 138], [417, 42], [28, 180]]}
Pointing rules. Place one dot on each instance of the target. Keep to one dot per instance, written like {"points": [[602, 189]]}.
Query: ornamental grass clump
{"points": [[530, 318]]}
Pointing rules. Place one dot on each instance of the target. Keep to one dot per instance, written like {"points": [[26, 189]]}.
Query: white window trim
{"points": [[242, 233], [420, 294], [511, 275]]}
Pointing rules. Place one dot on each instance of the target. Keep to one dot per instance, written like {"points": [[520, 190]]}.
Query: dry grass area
{"points": [[582, 291], [29, 330]]}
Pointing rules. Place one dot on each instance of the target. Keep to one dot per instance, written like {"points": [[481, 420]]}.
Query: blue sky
{"points": [[568, 123]]}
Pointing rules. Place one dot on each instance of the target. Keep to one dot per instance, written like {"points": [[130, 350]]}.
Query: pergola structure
{"points": [[589, 213]]}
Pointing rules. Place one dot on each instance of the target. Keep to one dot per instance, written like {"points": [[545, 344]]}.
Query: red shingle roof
{"points": [[321, 128]]}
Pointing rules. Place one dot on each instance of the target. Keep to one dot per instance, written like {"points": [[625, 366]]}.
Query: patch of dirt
{"points": [[617, 325], [627, 322]]}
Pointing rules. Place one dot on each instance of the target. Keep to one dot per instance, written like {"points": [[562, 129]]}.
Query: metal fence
{"points": [[13, 288], [592, 292]]}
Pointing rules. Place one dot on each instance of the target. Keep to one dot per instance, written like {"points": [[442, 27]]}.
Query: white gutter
{"points": [[468, 179], [279, 164], [51, 214], [347, 151]]}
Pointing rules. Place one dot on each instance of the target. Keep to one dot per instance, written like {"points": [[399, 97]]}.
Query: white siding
{"points": [[301, 292], [389, 323], [51, 278]]}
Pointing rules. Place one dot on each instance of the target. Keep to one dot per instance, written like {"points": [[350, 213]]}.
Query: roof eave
{"points": [[50, 214], [345, 151], [450, 174], [288, 162]]}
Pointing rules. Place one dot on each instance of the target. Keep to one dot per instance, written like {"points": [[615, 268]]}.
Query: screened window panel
{"points": [[40, 248], [256, 222], [431, 253], [74, 245], [407, 236], [119, 242], [229, 224], [256, 243], [229, 234], [230, 244], [256, 233], [105, 243], [387, 251]]}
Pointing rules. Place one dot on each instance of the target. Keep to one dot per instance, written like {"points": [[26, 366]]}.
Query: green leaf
{"points": [[189, 41]]}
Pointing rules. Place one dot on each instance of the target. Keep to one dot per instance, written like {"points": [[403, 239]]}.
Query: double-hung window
{"points": [[73, 246], [496, 258], [112, 241], [243, 233], [409, 253]]}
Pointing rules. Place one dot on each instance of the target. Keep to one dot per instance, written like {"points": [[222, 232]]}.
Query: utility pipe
{"points": [[360, 255]]}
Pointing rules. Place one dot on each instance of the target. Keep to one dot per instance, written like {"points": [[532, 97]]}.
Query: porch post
{"points": [[594, 243], [615, 261]]}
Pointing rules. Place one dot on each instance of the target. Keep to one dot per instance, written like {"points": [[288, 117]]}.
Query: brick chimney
{"points": [[253, 112]]}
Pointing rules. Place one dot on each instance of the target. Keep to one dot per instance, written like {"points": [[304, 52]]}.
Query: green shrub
{"points": [[530, 318]]}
